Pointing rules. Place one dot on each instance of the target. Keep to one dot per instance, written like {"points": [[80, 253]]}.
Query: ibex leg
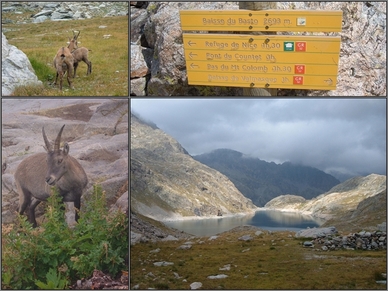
{"points": [[75, 68], [89, 68], [77, 205], [56, 79], [26, 198], [31, 211]]}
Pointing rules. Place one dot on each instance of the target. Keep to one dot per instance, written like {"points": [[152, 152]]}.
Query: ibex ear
{"points": [[66, 148]]}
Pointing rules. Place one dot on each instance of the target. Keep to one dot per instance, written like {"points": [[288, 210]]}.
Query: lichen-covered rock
{"points": [[362, 64]]}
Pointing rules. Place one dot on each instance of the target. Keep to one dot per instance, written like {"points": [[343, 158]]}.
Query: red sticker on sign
{"points": [[300, 69], [298, 80], [300, 46]]}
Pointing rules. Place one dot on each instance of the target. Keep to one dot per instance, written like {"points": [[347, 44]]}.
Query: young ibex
{"points": [[64, 62], [80, 54], [37, 173]]}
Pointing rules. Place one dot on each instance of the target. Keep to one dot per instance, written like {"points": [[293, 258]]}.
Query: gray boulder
{"points": [[220, 276], [246, 237], [16, 68], [163, 263], [195, 285], [316, 232]]}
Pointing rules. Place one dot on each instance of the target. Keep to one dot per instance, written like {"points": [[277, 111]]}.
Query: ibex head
{"points": [[56, 159], [73, 43]]}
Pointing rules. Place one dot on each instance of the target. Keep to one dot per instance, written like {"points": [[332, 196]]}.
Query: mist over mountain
{"points": [[262, 181]]}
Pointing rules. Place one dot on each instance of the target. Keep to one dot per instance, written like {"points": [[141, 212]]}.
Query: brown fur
{"points": [[35, 175], [64, 62], [81, 54]]}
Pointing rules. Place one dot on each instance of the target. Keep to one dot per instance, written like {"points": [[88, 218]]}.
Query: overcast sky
{"points": [[345, 135]]}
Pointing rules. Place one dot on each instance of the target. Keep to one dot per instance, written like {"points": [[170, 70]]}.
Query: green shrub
{"points": [[58, 255]]}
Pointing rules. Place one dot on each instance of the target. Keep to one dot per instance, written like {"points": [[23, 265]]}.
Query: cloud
{"points": [[347, 135]]}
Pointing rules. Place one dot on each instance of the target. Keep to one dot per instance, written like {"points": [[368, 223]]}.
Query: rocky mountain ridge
{"points": [[262, 181], [360, 201], [167, 183]]}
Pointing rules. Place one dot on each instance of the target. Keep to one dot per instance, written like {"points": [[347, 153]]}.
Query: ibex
{"points": [[37, 173], [80, 54], [64, 62]]}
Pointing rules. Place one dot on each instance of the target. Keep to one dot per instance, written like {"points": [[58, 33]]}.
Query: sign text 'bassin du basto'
{"points": [[264, 61]]}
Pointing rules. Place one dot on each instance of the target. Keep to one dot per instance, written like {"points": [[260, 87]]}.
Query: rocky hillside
{"points": [[166, 182], [261, 181], [56, 11], [358, 202]]}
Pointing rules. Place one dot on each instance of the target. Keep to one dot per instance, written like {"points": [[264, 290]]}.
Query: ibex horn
{"points": [[58, 140], [76, 36], [48, 145]]}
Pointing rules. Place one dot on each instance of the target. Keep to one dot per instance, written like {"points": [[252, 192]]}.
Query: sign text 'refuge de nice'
{"points": [[263, 61]]}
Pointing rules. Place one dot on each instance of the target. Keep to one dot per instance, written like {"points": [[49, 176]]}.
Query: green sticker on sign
{"points": [[288, 46]]}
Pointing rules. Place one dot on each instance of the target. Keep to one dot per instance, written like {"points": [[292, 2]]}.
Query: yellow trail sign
{"points": [[277, 80], [272, 61], [264, 20]]}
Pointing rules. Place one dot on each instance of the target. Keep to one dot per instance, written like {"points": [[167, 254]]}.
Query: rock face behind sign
{"points": [[166, 182], [362, 64], [16, 68], [156, 28]]}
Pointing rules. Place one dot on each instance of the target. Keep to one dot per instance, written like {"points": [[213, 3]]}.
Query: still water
{"points": [[266, 219]]}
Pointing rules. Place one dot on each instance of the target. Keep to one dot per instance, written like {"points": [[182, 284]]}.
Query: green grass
{"points": [[285, 265], [109, 57]]}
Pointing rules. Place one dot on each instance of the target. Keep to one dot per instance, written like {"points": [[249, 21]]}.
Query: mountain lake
{"points": [[273, 220]]}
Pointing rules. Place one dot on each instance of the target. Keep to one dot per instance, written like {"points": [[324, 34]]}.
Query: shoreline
{"points": [[229, 215], [240, 214]]}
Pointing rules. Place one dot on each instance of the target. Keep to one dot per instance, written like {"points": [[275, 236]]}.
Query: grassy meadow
{"points": [[109, 56], [269, 261]]}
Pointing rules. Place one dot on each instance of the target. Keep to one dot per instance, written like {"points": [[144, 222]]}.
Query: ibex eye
{"points": [[59, 161]]}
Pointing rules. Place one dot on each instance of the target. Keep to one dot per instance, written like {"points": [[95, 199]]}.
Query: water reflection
{"points": [[266, 219]]}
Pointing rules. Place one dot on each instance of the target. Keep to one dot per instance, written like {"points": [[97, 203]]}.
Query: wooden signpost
{"points": [[262, 61]]}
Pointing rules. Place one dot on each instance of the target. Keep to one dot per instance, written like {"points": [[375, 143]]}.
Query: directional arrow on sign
{"points": [[190, 43], [191, 55], [329, 81], [193, 66]]}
